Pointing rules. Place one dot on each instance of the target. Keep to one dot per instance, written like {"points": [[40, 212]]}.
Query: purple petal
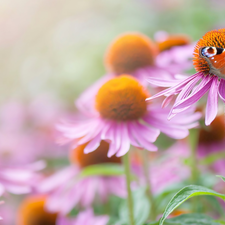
{"points": [[167, 101], [193, 97], [161, 82], [176, 88], [131, 137], [147, 132], [125, 142], [187, 89], [141, 140], [212, 103], [93, 145], [222, 89], [92, 133]]}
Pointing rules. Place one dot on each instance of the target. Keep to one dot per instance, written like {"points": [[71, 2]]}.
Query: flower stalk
{"points": [[193, 142], [128, 181], [153, 213]]}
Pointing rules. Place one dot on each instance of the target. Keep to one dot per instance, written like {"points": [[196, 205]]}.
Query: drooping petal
{"points": [[176, 88], [142, 140], [188, 88], [222, 89], [93, 144], [125, 142], [212, 102], [158, 81], [191, 99]]}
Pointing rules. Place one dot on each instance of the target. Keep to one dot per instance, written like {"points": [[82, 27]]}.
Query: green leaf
{"points": [[208, 160], [189, 219], [105, 169], [184, 194], [222, 177], [220, 221], [141, 208]]}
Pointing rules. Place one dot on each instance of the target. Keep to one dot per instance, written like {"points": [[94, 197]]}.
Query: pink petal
{"points": [[222, 89], [176, 88], [212, 103], [193, 97], [93, 145], [125, 142]]}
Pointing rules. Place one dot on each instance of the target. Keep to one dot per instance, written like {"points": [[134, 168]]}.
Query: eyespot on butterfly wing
{"points": [[215, 58]]}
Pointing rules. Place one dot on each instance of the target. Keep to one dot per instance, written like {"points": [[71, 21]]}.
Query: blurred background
{"points": [[56, 47]]}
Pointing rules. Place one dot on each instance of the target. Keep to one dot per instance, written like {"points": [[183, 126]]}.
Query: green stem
{"points": [[128, 179], [193, 142], [146, 167]]}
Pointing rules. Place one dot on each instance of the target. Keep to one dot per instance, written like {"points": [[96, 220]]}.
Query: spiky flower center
{"points": [[98, 156], [215, 38], [130, 52], [172, 41], [33, 212], [213, 133], [121, 99]]}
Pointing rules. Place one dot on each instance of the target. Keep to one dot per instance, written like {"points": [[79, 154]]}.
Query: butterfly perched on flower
{"points": [[209, 62]]}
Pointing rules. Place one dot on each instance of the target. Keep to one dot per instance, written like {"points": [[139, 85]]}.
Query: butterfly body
{"points": [[215, 57]]}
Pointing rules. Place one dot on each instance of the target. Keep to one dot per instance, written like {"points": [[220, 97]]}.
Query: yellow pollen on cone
{"points": [[121, 99], [129, 53]]}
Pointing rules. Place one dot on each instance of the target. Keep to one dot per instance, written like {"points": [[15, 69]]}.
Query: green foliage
{"points": [[184, 194], [105, 169], [208, 160], [222, 177], [189, 219], [141, 208]]}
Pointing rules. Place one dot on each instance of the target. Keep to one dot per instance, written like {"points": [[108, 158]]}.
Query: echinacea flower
{"points": [[86, 217], [175, 52], [209, 63], [32, 211], [211, 141], [137, 55], [68, 188], [123, 117]]}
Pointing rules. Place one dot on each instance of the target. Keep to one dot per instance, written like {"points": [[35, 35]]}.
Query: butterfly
{"points": [[215, 57]]}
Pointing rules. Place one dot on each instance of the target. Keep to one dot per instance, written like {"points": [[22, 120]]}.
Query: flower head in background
{"points": [[86, 217], [32, 211], [212, 141], [209, 63], [68, 188], [137, 55], [175, 52], [122, 117]]}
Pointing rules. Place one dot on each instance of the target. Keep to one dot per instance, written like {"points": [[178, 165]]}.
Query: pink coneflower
{"points": [[175, 52], [139, 56], [211, 141], [86, 217], [32, 211], [209, 63], [68, 188], [122, 117]]}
